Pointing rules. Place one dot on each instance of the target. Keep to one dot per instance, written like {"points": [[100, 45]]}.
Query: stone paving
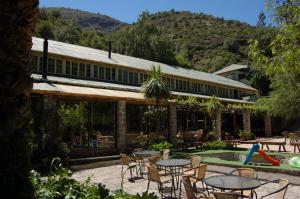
{"points": [[111, 177]]}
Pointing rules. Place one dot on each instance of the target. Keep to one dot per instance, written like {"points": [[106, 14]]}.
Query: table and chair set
{"points": [[172, 175]]}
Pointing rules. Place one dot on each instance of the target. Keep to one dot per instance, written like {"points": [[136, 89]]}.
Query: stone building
{"points": [[110, 85]]}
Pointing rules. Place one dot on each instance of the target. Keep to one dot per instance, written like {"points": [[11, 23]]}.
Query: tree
{"points": [[156, 88], [69, 33], [45, 29], [281, 63], [144, 40], [92, 39], [18, 18], [212, 107], [261, 19]]}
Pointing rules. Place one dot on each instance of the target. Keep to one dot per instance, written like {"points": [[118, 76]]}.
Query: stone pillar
{"points": [[50, 117], [247, 121], [268, 126], [234, 124], [121, 125], [173, 123], [219, 124]]}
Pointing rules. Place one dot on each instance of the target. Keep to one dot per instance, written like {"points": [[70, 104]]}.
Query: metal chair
{"points": [[280, 192], [130, 164], [226, 195], [197, 174], [248, 173], [153, 159], [155, 176], [195, 161], [193, 192]]}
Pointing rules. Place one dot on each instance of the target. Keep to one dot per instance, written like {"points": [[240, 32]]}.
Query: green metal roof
{"points": [[85, 53]]}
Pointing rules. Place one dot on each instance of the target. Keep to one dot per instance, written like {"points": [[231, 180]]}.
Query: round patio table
{"points": [[230, 182], [176, 167], [146, 153]]}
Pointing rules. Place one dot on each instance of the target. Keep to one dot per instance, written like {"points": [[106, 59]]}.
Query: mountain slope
{"points": [[88, 20], [208, 42]]}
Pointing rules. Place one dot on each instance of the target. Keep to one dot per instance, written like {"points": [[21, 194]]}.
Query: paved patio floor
{"points": [[111, 177]]}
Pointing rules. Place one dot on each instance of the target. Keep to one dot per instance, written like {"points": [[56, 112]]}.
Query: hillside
{"points": [[209, 43], [191, 40], [88, 20]]}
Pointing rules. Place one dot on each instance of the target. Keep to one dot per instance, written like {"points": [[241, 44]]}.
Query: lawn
{"points": [[212, 157]]}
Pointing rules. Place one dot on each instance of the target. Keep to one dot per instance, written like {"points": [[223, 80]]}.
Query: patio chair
{"points": [[248, 173], [165, 155], [195, 161], [140, 161], [197, 174], [153, 159], [226, 195], [280, 192], [193, 192], [155, 176], [130, 164]]}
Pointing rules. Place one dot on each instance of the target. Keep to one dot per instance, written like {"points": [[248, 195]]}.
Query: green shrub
{"points": [[216, 145], [59, 184], [211, 136], [161, 146], [119, 194], [244, 135]]}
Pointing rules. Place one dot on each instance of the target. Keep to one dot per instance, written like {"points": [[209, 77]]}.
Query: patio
{"points": [[111, 177]]}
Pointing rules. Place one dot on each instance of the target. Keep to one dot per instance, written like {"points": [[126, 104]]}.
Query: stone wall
{"points": [[219, 124], [247, 121], [173, 123], [268, 126], [121, 125], [50, 115]]}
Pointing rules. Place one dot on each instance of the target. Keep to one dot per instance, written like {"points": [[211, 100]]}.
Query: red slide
{"points": [[268, 158]]}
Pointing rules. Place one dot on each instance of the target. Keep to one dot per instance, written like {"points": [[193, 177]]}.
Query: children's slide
{"points": [[262, 153], [250, 154], [268, 158]]}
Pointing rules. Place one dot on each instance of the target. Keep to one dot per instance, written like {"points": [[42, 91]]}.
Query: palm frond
{"points": [[155, 87]]}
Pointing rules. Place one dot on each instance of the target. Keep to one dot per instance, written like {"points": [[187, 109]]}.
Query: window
{"points": [[34, 63], [120, 75], [88, 70], [51, 65], [95, 72], [107, 74], [68, 68], [146, 77], [172, 83], [101, 72], [141, 78], [131, 77], [113, 74], [125, 76], [58, 68], [180, 84], [41, 63], [242, 76], [136, 78], [177, 84], [81, 70], [184, 85], [74, 69]]}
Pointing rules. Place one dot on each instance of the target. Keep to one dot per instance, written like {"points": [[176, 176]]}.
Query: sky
{"points": [[129, 10]]}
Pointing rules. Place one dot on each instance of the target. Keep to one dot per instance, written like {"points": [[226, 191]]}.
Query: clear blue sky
{"points": [[129, 10]]}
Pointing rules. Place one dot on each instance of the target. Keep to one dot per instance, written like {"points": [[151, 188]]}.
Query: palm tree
{"points": [[17, 22], [212, 107], [156, 88]]}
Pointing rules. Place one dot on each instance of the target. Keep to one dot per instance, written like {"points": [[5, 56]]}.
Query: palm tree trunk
{"points": [[17, 22], [157, 120]]}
